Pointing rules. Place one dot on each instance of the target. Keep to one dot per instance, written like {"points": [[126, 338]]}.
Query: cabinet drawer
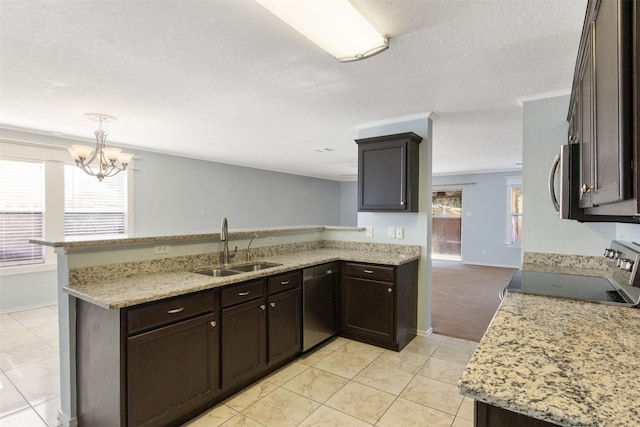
{"points": [[242, 292], [284, 282], [169, 311], [372, 272]]}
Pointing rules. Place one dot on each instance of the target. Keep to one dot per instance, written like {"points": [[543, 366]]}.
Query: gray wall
{"points": [[544, 131], [484, 217], [349, 203], [172, 192]]}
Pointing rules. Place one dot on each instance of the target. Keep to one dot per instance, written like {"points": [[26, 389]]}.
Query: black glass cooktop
{"points": [[588, 288]]}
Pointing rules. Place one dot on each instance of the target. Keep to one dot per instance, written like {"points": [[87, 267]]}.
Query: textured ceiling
{"points": [[225, 80]]}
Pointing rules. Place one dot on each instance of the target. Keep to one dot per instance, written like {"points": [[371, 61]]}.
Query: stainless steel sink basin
{"points": [[218, 272], [255, 267], [230, 271]]}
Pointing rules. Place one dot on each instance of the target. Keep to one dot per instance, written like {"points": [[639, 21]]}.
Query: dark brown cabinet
{"points": [[261, 326], [379, 303], [172, 370], [603, 111], [491, 416], [149, 365], [243, 332], [388, 169]]}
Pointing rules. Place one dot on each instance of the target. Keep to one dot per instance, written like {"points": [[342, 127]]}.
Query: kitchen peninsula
{"points": [[548, 361], [129, 304]]}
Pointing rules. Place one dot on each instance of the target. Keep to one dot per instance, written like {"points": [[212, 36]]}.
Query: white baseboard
{"points": [[28, 307], [426, 333], [67, 421]]}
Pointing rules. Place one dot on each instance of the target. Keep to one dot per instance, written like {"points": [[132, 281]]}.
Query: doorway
{"points": [[446, 236]]}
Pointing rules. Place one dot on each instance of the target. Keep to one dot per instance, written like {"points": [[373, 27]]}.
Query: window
{"points": [[21, 212], [92, 206], [514, 196]]}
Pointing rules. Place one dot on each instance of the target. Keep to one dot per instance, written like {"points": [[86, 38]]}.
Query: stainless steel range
{"points": [[620, 287]]}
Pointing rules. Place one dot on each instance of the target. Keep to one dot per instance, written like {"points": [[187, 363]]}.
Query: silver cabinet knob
{"points": [[586, 188], [262, 307], [273, 304], [389, 290], [213, 324]]}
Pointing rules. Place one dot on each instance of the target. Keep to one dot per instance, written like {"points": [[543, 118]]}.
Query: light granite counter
{"points": [[128, 291], [567, 362]]}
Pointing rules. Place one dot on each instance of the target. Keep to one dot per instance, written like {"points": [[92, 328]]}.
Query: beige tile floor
{"points": [[343, 383]]}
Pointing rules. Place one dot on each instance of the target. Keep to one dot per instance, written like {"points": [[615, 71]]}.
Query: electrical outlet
{"points": [[391, 233], [161, 249], [399, 233], [270, 239], [369, 231]]}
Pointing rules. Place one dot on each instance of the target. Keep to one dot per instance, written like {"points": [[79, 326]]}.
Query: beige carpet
{"points": [[464, 297]]}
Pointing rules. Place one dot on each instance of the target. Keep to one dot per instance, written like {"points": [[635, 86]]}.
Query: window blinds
{"points": [[92, 206], [21, 212]]}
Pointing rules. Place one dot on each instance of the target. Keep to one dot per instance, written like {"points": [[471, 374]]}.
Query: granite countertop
{"points": [[131, 291], [567, 362]]}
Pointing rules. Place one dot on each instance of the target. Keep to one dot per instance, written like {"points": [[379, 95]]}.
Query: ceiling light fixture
{"points": [[334, 25], [101, 161]]}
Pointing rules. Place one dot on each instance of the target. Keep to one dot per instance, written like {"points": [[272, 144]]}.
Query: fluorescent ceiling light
{"points": [[334, 25]]}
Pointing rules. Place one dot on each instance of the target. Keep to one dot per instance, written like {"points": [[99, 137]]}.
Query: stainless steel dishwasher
{"points": [[320, 300]]}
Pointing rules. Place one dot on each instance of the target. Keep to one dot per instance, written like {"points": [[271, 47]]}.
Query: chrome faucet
{"points": [[249, 254], [224, 236]]}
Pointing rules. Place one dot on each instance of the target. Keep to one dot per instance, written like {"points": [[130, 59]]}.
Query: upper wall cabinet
{"points": [[388, 169], [603, 114]]}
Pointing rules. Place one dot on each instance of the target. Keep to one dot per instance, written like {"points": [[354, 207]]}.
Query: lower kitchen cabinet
{"points": [[149, 365], [379, 303], [285, 324], [172, 370], [491, 416], [244, 341]]}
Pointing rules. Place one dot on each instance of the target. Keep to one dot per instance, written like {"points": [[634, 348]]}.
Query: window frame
{"points": [[511, 183], [53, 153]]}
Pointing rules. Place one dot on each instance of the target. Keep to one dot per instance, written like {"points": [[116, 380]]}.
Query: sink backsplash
{"points": [[110, 272]]}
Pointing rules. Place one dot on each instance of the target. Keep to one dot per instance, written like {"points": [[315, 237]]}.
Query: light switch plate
{"points": [[369, 231], [399, 233]]}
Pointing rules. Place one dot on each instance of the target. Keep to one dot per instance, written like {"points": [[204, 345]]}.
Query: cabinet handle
{"points": [[213, 324], [286, 282], [262, 307], [243, 294], [175, 310], [389, 290], [572, 138], [273, 304], [402, 178], [586, 188], [368, 271]]}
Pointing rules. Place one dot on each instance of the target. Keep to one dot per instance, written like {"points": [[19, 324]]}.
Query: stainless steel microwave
{"points": [[564, 182], [564, 188]]}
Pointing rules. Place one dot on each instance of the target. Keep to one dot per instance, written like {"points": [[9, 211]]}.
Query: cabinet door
{"points": [[243, 341], [383, 180], [172, 370], [285, 328], [367, 308], [585, 129], [612, 141]]}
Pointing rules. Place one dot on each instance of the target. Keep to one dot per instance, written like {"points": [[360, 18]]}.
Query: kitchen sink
{"points": [[255, 266], [218, 272], [230, 271]]}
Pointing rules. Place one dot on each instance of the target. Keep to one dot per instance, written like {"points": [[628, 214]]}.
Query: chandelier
{"points": [[101, 161]]}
